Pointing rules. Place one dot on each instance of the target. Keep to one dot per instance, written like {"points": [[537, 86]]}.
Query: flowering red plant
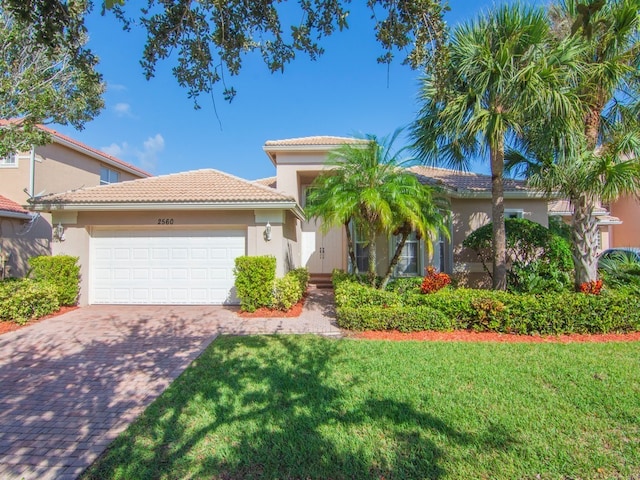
{"points": [[593, 287], [434, 281]]}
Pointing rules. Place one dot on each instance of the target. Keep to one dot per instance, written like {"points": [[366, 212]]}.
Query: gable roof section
{"points": [[198, 189], [318, 140], [10, 209], [319, 143], [468, 184], [62, 139]]}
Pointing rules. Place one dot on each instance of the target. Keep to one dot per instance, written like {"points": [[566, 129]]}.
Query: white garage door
{"points": [[164, 267]]}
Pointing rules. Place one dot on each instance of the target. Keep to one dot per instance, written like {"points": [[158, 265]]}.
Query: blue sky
{"points": [[153, 124]]}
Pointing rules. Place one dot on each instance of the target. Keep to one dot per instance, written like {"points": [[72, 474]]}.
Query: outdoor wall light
{"points": [[58, 233], [267, 232]]}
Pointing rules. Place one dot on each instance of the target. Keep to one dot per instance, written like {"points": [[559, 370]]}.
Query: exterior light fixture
{"points": [[58, 233], [267, 232]]}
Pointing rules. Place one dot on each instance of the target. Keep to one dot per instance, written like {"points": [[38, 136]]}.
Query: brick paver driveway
{"points": [[70, 384]]}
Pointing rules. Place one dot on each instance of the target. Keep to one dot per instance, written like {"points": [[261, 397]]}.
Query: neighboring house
{"points": [[13, 219], [627, 232], [607, 221], [174, 238], [62, 165]]}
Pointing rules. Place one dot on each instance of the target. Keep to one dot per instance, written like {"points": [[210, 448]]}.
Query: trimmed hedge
{"points": [[486, 310], [62, 271], [24, 299], [254, 281], [404, 319]]}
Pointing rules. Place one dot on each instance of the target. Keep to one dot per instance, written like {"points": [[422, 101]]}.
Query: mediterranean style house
{"points": [[63, 165], [173, 239]]}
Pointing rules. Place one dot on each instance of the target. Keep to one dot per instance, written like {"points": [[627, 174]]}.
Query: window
{"points": [[9, 161], [108, 176], [408, 263], [513, 213]]}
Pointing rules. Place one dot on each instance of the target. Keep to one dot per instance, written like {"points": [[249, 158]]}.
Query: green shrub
{"points": [[539, 260], [404, 319], [287, 291], [302, 276], [405, 285], [361, 307], [355, 294], [25, 299], [62, 271], [254, 282]]}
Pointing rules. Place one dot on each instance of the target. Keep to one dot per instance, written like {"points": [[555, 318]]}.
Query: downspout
{"points": [[32, 172]]}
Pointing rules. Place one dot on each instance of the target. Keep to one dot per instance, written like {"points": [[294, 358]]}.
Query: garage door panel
{"points": [[164, 267]]}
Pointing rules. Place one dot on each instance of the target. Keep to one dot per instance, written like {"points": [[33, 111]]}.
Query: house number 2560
{"points": [[165, 221]]}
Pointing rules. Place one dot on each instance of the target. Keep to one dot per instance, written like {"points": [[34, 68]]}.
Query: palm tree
{"points": [[593, 160], [366, 185], [430, 221], [500, 68]]}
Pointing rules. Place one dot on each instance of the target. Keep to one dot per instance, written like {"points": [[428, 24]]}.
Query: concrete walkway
{"points": [[69, 385]]}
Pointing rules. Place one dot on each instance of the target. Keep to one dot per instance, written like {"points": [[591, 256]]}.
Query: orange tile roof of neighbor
{"points": [[7, 205], [197, 186], [65, 139]]}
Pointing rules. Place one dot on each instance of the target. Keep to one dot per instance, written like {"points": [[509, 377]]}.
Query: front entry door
{"points": [[322, 253]]}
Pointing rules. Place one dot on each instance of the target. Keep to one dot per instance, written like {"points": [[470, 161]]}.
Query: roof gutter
{"points": [[18, 215]]}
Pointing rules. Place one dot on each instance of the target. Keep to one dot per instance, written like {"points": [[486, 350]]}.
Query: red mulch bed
{"points": [[6, 327], [466, 336], [264, 312]]}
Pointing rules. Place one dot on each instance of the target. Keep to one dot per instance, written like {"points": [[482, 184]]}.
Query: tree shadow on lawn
{"points": [[67, 386], [271, 408]]}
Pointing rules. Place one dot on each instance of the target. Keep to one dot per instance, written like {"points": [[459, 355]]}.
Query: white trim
{"points": [[104, 207]]}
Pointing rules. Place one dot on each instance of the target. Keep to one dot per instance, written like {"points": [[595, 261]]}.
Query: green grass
{"points": [[307, 407]]}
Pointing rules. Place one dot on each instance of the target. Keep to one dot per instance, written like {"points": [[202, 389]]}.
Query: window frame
{"points": [[509, 212], [5, 163], [109, 173]]}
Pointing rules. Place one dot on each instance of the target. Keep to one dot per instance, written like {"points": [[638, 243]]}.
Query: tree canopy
{"points": [[595, 159], [212, 37], [500, 69], [42, 83]]}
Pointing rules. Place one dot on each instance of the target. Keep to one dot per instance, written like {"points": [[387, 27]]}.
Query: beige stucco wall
{"points": [[627, 234], [57, 169], [469, 215], [79, 225], [22, 240]]}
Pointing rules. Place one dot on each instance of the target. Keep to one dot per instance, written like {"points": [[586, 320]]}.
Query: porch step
{"points": [[321, 280]]}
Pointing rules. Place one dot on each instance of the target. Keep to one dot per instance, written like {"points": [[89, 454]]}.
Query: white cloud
{"points": [[146, 156], [116, 150], [116, 87], [123, 109], [152, 147]]}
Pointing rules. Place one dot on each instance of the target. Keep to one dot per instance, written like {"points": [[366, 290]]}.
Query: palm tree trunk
{"points": [[497, 216], [350, 248], [584, 233], [371, 274], [394, 260]]}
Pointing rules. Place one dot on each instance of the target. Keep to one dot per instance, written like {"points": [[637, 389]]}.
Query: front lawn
{"points": [[306, 407]]}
